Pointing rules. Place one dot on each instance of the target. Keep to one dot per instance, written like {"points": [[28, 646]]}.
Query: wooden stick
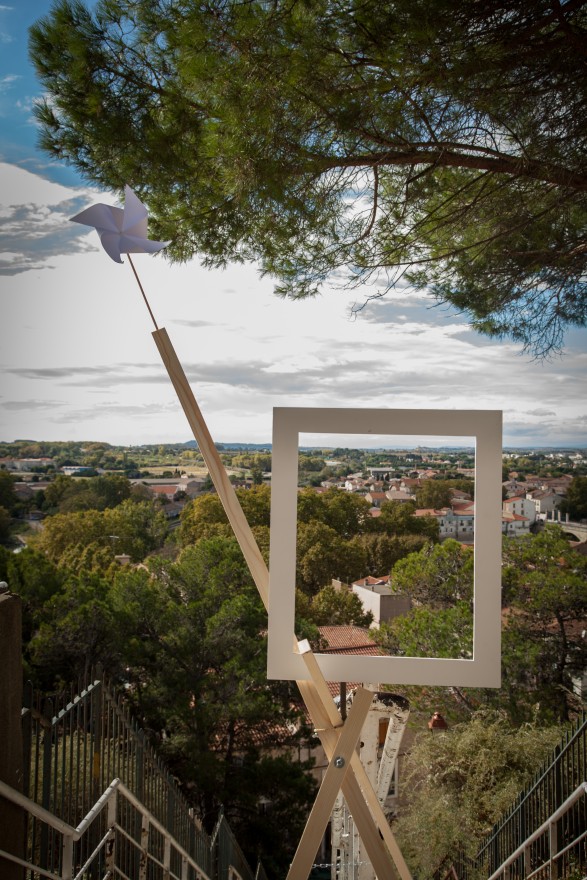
{"points": [[217, 471], [357, 789], [331, 784], [136, 274]]}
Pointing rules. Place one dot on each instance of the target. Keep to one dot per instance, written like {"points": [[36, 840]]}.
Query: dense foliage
{"points": [[183, 631], [435, 142], [544, 601], [461, 781], [336, 537]]}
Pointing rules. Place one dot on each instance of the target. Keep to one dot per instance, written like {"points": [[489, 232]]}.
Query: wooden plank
{"points": [[368, 831], [216, 469], [356, 787], [333, 779], [323, 698]]}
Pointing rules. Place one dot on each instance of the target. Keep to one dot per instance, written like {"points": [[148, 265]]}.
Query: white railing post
{"points": [[111, 822], [167, 858], [67, 857], [527, 860], [144, 847], [553, 849]]}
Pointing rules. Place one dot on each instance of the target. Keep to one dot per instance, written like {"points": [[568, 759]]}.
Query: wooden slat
{"points": [[357, 789], [331, 784]]}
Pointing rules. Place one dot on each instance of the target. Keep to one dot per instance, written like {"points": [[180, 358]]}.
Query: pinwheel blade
{"points": [[121, 230]]}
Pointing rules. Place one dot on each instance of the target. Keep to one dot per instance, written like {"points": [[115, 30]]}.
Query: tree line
{"points": [[182, 631]]}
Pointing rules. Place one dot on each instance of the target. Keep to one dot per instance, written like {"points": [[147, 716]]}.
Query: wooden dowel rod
{"points": [[216, 469], [357, 788], [331, 784]]}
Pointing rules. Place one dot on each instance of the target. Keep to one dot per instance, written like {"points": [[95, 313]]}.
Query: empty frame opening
{"points": [[385, 545]]}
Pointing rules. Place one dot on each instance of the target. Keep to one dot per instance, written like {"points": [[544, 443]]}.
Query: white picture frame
{"points": [[485, 426]]}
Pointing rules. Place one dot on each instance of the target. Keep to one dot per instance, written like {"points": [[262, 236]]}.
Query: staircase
{"points": [[96, 801]]}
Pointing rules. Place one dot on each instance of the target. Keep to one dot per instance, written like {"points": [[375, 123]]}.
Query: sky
{"points": [[77, 360]]}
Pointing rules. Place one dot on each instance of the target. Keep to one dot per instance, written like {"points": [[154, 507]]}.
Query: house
{"points": [[559, 485], [545, 501], [381, 473], [31, 464], [165, 492], [409, 485], [457, 522], [192, 486], [459, 495], [513, 487], [376, 499], [522, 506], [348, 640], [513, 524], [355, 484], [376, 596], [78, 470], [398, 495]]}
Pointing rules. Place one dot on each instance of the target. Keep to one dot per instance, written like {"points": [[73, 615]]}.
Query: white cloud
{"points": [[34, 224], [74, 332], [8, 80]]}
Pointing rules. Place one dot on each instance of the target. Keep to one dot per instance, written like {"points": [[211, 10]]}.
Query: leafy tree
{"points": [[575, 502], [545, 599], [311, 506], [5, 520], [8, 497], [68, 494], [205, 516], [397, 518], [136, 528], [5, 557], [322, 555], [434, 494], [460, 782], [545, 587], [335, 608], [197, 668], [202, 517], [257, 477], [346, 513], [428, 632], [383, 551], [457, 128], [36, 580], [256, 504], [77, 633], [438, 576]]}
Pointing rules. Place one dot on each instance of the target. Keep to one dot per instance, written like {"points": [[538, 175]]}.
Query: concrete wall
{"points": [[383, 605], [11, 756]]}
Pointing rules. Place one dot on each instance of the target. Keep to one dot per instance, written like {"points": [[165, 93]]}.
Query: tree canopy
{"points": [[460, 783], [433, 143]]}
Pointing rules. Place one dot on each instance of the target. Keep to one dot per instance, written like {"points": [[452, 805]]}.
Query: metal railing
{"points": [[74, 745], [549, 829], [116, 853], [543, 833]]}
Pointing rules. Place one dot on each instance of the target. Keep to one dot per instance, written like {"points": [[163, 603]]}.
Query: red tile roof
{"points": [[348, 640], [370, 580]]}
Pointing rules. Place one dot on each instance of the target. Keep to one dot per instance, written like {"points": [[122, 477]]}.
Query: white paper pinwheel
{"points": [[121, 230]]}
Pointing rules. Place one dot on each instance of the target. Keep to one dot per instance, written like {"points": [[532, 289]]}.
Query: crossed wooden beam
{"points": [[339, 739]]}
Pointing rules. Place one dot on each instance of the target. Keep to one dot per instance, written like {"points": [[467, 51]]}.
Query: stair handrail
{"points": [[71, 834], [546, 825]]}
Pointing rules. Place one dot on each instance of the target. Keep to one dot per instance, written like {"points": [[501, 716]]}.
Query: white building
{"points": [[545, 502], [376, 596], [521, 506]]}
